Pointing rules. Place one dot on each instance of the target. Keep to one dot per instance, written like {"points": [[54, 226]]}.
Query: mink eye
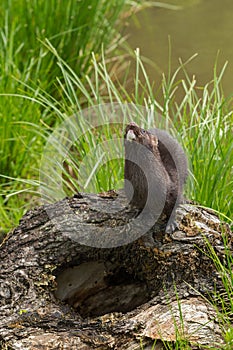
{"points": [[143, 131]]}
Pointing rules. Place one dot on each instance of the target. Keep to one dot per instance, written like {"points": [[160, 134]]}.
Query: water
{"points": [[204, 27]]}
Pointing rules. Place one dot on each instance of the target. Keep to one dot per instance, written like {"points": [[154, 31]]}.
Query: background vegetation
{"points": [[48, 71], [56, 60], [76, 30]]}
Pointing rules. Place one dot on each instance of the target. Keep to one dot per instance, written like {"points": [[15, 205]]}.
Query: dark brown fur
{"points": [[157, 172]]}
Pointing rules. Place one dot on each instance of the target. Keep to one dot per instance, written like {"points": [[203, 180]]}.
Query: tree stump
{"points": [[57, 292]]}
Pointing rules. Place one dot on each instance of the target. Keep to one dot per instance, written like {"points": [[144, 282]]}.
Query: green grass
{"points": [[55, 84], [201, 122], [75, 29], [222, 300]]}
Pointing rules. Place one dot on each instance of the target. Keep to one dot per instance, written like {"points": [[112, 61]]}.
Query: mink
{"points": [[156, 169]]}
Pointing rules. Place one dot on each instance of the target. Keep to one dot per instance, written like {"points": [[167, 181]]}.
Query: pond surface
{"points": [[204, 27]]}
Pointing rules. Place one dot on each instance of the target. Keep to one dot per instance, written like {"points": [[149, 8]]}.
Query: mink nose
{"points": [[133, 124]]}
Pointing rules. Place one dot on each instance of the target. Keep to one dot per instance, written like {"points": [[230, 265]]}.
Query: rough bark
{"points": [[58, 293]]}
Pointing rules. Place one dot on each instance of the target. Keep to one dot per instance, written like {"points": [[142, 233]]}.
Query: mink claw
{"points": [[171, 227]]}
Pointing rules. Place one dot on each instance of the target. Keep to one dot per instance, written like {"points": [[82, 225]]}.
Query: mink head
{"points": [[133, 133]]}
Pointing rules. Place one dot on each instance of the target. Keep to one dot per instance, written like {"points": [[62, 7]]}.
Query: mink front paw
{"points": [[171, 226]]}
